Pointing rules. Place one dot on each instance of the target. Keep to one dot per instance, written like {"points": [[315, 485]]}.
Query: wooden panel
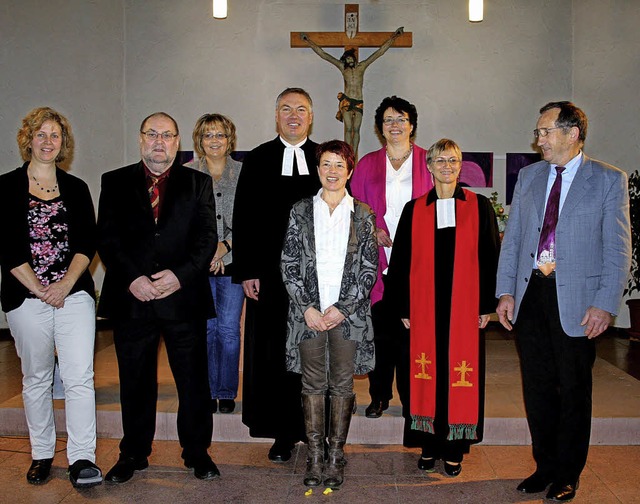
{"points": [[362, 39]]}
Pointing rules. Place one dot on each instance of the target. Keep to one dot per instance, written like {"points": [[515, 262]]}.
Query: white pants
{"points": [[38, 328]]}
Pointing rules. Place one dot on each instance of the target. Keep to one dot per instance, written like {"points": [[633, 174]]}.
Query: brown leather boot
{"points": [[313, 407], [340, 419]]}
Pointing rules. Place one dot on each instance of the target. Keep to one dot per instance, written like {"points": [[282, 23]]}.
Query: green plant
{"points": [[501, 215], [633, 284]]}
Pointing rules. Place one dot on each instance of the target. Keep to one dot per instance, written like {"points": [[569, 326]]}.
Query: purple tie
{"points": [[547, 244]]}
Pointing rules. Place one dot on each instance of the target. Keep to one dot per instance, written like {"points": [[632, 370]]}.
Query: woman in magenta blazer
{"points": [[386, 179]]}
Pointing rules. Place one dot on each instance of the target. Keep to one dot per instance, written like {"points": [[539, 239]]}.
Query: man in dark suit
{"points": [[274, 176], [157, 235], [564, 261]]}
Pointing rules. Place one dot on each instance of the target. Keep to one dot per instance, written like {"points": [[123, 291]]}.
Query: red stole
{"points": [[464, 349]]}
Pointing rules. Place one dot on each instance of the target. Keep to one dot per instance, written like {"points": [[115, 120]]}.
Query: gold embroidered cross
{"points": [[423, 361], [462, 370]]}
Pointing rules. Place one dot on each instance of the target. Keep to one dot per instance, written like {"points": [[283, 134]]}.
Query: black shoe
{"points": [[203, 468], [536, 483], [39, 471], [452, 469], [562, 492], [427, 464], [375, 409], [124, 469], [213, 406], [227, 405], [84, 474], [281, 451]]}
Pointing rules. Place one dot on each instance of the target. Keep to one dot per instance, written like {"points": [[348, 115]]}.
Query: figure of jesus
{"points": [[351, 100]]}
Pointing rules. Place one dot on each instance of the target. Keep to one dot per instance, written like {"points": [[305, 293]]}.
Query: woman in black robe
{"points": [[442, 279]]}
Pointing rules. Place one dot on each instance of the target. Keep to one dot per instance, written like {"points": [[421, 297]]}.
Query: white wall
{"points": [[108, 63]]}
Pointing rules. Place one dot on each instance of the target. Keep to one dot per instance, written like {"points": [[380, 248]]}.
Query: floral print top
{"points": [[49, 238]]}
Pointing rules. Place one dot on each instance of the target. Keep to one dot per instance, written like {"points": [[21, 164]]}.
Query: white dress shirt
{"points": [[399, 189], [332, 236]]}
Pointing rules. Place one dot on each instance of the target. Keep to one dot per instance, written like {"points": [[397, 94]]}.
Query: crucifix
{"points": [[351, 101]]}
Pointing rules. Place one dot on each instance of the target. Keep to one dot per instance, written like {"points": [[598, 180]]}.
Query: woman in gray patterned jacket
{"points": [[214, 139], [329, 265]]}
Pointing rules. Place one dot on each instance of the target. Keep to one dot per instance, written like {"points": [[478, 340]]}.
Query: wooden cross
{"points": [[351, 37], [351, 101]]}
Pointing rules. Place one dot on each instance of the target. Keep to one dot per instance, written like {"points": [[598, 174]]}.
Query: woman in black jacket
{"points": [[48, 293]]}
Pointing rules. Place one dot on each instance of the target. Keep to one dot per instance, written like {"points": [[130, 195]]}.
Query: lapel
{"points": [[308, 229], [352, 243], [379, 179], [141, 192], [579, 187], [348, 272], [539, 189]]}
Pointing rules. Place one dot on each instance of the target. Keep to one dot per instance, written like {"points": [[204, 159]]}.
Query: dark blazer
{"points": [[15, 245], [131, 244], [264, 198]]}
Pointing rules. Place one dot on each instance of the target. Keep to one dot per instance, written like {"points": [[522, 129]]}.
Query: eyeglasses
{"points": [[154, 135], [388, 121], [442, 162], [543, 132], [217, 136]]}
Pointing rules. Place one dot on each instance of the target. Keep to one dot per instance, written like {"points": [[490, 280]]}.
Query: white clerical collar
{"points": [[446, 212], [287, 159]]}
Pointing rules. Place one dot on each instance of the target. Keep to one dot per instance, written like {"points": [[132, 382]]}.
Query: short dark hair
{"points": [[400, 105], [342, 149], [34, 121], [209, 121], [569, 116], [160, 114], [294, 90]]}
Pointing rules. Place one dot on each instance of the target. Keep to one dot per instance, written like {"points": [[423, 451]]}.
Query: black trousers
{"points": [[557, 383], [391, 341], [136, 342]]}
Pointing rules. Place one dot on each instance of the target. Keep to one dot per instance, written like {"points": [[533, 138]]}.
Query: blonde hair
{"points": [[34, 121], [440, 146], [206, 122]]}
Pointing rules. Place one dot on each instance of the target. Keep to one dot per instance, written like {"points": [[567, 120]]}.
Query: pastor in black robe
{"points": [[398, 291], [271, 405]]}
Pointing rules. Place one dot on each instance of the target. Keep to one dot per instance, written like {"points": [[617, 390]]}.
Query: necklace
{"points": [[52, 190], [403, 157]]}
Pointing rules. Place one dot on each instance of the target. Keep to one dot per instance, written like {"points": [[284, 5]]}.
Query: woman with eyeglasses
{"points": [[386, 180], [214, 138], [48, 242], [442, 279]]}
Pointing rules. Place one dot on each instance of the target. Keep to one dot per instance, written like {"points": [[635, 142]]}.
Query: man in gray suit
{"points": [[564, 261]]}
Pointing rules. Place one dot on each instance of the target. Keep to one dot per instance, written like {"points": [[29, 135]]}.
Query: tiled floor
{"points": [[376, 473]]}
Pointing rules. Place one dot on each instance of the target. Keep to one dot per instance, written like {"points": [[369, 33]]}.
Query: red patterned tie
{"points": [[154, 196], [547, 244]]}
